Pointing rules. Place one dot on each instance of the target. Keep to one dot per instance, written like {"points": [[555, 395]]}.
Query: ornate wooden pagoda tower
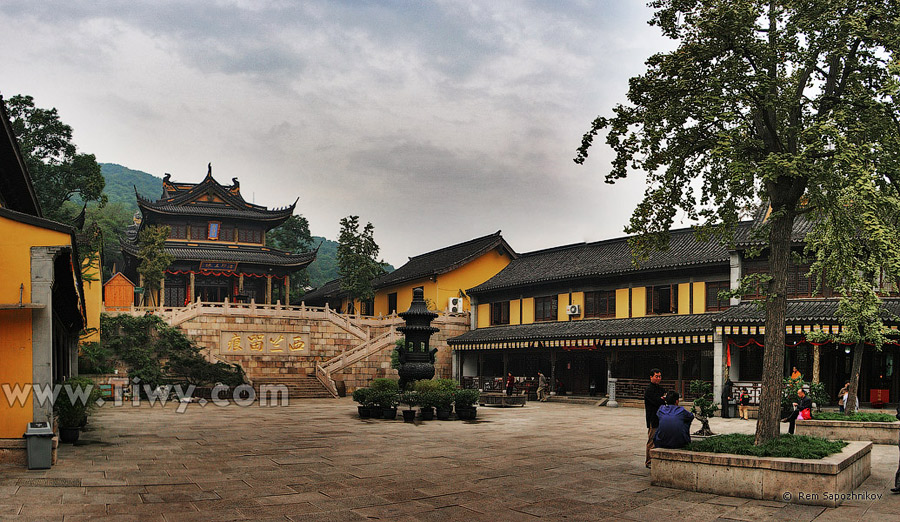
{"points": [[219, 243]]}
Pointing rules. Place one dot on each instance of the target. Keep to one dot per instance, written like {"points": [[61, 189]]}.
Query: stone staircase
{"points": [[299, 386]]}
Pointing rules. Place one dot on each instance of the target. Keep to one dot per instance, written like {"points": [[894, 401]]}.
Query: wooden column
{"points": [[268, 289], [287, 290], [162, 290], [191, 294], [241, 283]]}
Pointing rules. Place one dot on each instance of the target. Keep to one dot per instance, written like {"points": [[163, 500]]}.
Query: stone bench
{"points": [[877, 432], [821, 482], [502, 400]]}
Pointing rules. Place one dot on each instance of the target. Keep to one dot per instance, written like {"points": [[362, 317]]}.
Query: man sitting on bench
{"points": [[674, 424]]}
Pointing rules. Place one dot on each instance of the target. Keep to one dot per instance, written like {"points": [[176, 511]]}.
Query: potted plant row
{"points": [[440, 395]]}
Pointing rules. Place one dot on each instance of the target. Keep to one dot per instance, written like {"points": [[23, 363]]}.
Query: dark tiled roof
{"points": [[444, 260], [330, 290], [184, 201], [603, 258], [798, 311], [744, 236], [590, 329], [244, 254]]}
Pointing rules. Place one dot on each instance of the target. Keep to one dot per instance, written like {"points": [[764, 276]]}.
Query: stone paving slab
{"points": [[315, 460]]}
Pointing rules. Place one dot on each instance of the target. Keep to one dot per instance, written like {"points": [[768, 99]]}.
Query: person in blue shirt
{"points": [[674, 424]]}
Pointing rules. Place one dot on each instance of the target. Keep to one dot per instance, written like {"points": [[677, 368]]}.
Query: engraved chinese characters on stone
{"points": [[257, 342], [298, 344], [234, 344], [276, 343]]}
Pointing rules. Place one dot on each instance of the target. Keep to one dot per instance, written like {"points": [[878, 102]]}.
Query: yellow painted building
{"points": [[41, 300], [444, 275]]}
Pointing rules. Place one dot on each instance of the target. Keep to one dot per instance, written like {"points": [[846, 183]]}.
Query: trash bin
{"points": [[39, 445]]}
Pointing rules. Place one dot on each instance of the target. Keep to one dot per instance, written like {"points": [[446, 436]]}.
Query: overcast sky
{"points": [[436, 121]]}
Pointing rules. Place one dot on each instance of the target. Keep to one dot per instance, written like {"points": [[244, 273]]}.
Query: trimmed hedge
{"points": [[793, 446]]}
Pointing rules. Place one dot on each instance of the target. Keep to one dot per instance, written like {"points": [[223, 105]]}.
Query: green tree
{"points": [[58, 171], [783, 101], [357, 252], [293, 236], [112, 219], [154, 260]]}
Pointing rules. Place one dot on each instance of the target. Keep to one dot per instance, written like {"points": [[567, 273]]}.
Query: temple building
{"points": [[218, 241]]}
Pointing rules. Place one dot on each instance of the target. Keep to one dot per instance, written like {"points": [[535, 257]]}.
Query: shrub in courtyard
{"points": [[703, 407], [95, 358], [156, 353], [793, 446], [815, 391], [856, 417]]}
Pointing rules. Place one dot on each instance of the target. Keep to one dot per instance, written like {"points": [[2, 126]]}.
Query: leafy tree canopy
{"points": [[154, 258], [357, 252], [293, 236], [57, 170], [790, 102]]}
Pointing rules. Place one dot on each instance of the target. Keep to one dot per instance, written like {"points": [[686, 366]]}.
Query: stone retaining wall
{"points": [[876, 432], [325, 340], [820, 482]]}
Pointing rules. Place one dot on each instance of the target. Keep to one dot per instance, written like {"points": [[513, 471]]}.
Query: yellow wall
{"points": [[15, 352], [93, 299], [684, 298], [528, 310], [699, 298], [515, 307], [578, 299], [467, 276], [448, 285], [638, 301], [621, 303], [562, 301], [404, 296], [484, 315], [16, 240]]}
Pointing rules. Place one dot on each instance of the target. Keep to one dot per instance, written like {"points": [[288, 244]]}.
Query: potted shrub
{"points": [[465, 404], [411, 399], [443, 402], [386, 397], [73, 405], [428, 397], [362, 395], [427, 401]]}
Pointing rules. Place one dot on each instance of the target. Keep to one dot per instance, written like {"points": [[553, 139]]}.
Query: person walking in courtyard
{"points": [[653, 399], [674, 424], [543, 383], [510, 383], [727, 398], [801, 410], [744, 404]]}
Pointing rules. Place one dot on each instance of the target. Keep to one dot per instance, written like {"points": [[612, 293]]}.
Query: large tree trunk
{"points": [[768, 427], [852, 396]]}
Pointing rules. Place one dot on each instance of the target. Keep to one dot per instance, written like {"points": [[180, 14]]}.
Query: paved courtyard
{"points": [[315, 460]]}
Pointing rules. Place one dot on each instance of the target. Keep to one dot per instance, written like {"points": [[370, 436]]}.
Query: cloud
{"points": [[437, 121]]}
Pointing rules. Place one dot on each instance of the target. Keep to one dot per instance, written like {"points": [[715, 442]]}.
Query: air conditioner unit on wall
{"points": [[573, 309], [456, 305]]}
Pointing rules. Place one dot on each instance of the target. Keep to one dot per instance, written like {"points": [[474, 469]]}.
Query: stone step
{"points": [[305, 387]]}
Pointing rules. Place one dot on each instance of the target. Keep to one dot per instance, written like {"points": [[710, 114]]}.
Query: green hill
{"points": [[120, 183]]}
